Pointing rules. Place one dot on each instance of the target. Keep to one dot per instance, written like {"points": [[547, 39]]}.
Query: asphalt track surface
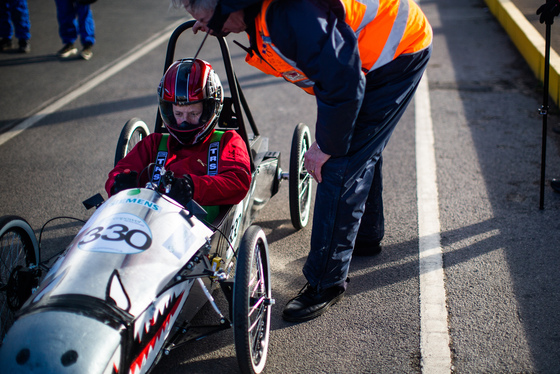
{"points": [[499, 251]]}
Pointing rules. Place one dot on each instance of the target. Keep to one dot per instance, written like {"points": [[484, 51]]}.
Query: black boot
{"points": [[362, 248], [310, 303]]}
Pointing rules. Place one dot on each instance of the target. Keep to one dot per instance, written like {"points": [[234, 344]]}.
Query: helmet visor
{"points": [[190, 100], [187, 116]]}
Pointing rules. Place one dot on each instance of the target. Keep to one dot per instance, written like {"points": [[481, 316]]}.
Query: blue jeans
{"points": [[17, 12], [348, 200], [73, 19]]}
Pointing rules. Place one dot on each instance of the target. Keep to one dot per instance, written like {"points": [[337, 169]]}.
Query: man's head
{"points": [[211, 18], [190, 100], [196, 5]]}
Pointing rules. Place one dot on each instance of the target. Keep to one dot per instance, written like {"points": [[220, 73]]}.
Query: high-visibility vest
{"points": [[385, 29]]}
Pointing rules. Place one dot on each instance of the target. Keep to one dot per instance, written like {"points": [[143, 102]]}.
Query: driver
{"points": [[212, 167]]}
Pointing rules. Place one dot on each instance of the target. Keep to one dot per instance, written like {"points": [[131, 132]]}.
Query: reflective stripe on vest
{"points": [[385, 29], [395, 36]]}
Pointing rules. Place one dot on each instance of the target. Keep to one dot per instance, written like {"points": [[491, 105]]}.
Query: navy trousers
{"points": [[74, 19], [349, 201], [14, 12]]}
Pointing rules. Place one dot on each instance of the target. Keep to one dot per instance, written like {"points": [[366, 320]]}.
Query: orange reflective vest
{"points": [[385, 29]]}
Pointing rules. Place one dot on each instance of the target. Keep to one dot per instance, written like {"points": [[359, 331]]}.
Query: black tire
{"points": [[18, 248], [300, 183], [132, 133], [252, 301]]}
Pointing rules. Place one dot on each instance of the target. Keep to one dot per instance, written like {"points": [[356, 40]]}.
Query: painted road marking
{"points": [[434, 335], [98, 78]]}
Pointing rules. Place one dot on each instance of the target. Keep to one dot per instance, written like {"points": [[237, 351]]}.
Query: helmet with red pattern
{"points": [[189, 82]]}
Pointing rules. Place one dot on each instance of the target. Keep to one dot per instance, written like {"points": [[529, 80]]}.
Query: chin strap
{"points": [[218, 20], [198, 51]]}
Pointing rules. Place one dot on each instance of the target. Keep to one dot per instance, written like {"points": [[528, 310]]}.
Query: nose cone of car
{"points": [[59, 342]]}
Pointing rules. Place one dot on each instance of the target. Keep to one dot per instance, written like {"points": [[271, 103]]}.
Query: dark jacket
{"points": [[313, 34]]}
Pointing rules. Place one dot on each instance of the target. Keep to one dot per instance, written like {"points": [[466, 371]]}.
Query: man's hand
{"points": [[125, 180], [548, 11], [314, 160], [182, 190], [199, 26]]}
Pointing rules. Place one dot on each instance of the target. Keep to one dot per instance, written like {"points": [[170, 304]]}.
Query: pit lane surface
{"points": [[500, 253]]}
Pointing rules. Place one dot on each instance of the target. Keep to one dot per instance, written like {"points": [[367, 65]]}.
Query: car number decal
{"points": [[122, 233]]}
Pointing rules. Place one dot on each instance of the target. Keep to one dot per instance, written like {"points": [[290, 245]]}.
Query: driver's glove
{"points": [[548, 11], [182, 190], [125, 180]]}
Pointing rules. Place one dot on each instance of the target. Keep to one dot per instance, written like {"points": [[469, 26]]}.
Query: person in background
{"points": [[75, 18], [14, 20], [362, 59], [190, 102]]}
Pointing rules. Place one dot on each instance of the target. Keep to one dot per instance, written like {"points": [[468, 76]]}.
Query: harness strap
{"points": [[212, 168], [161, 158], [214, 152], [213, 156]]}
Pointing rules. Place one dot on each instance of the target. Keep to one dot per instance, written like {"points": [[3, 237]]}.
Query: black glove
{"points": [[548, 11], [125, 180], [182, 190]]}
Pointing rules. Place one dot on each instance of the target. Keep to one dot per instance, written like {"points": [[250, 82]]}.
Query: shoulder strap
{"points": [[214, 152], [213, 156], [161, 158]]}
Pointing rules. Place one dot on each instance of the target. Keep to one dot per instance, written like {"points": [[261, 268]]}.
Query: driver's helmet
{"points": [[190, 81]]}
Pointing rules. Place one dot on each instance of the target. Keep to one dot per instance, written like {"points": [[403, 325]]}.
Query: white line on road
{"points": [[434, 335], [98, 77]]}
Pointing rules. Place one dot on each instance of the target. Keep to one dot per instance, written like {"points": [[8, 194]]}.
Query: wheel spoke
{"points": [[256, 332], [136, 138], [305, 188], [301, 182], [258, 316], [11, 250], [257, 308], [252, 302], [15, 247]]}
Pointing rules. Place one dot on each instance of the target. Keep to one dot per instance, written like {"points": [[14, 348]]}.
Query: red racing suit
{"points": [[227, 187]]}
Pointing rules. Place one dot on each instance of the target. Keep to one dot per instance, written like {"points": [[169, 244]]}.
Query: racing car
{"points": [[126, 289]]}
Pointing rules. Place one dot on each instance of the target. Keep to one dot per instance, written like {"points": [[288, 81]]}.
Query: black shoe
{"points": [[362, 248], [5, 44], [24, 46], [310, 303], [555, 184], [68, 50]]}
